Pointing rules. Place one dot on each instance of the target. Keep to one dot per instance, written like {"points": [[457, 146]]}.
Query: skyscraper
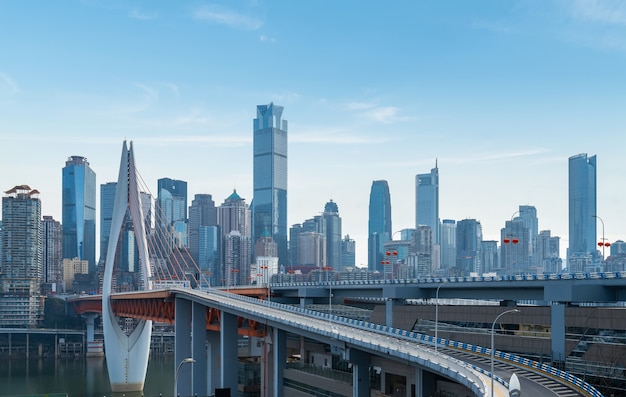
{"points": [[21, 303], [469, 236], [379, 224], [427, 201], [107, 199], [269, 204], [79, 211], [333, 235], [348, 252], [172, 211], [52, 245], [582, 210], [202, 212], [448, 244]]}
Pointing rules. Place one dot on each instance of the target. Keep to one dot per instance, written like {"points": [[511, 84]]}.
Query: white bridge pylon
{"points": [[126, 355]]}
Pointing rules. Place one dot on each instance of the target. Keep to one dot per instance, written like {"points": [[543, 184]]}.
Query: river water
{"points": [[83, 377]]}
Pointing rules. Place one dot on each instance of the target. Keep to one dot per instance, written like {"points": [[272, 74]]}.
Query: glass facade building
{"points": [[269, 204], [582, 207], [469, 237], [333, 235], [79, 211], [379, 224], [107, 200], [427, 201]]}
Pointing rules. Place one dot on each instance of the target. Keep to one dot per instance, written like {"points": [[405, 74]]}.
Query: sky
{"points": [[499, 93]]}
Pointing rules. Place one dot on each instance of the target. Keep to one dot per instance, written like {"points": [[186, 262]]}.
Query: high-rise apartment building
{"points": [[515, 251], [107, 199], [237, 254], [348, 252], [469, 236], [269, 204], [79, 211], [21, 303], [427, 201], [379, 224], [234, 214], [202, 212], [528, 216], [548, 253], [312, 249], [332, 233], [52, 245], [489, 255], [209, 253], [582, 212]]}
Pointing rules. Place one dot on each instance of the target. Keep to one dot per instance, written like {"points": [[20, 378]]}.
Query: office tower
{"points": [[448, 244], [379, 224], [618, 247], [52, 245], [582, 212], [312, 249], [209, 254], [107, 199], [427, 201], [333, 235], [528, 216], [172, 211], [265, 246], [202, 212], [269, 204], [348, 252], [469, 236], [237, 254], [147, 208], [294, 251], [234, 214], [489, 259], [548, 251], [422, 241], [21, 303], [515, 251], [79, 211]]}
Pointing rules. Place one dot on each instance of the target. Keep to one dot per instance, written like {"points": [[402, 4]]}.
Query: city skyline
{"points": [[499, 94]]}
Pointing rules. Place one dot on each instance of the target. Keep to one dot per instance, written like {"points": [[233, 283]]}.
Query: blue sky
{"points": [[500, 92]]}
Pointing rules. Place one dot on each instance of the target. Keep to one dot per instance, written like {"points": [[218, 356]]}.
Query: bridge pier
{"points": [[557, 329], [182, 346], [214, 367], [199, 350], [390, 303], [360, 361], [229, 352]]}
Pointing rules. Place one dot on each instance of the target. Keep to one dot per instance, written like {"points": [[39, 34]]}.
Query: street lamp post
{"points": [[185, 361], [437, 315], [602, 243], [493, 326]]}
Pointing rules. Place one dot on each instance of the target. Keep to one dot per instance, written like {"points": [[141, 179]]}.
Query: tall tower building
{"points": [[79, 211], [333, 235], [448, 244], [379, 224], [528, 216], [172, 210], [234, 214], [202, 212], [269, 205], [107, 199], [52, 245], [469, 236], [427, 201], [21, 303], [237, 254], [582, 211], [348, 252], [548, 252]]}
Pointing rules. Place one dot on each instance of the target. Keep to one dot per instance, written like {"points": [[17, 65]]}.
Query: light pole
{"points": [[437, 315], [185, 361], [602, 243], [493, 326]]}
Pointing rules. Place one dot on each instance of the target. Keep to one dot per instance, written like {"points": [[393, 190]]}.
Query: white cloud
{"points": [[13, 87], [263, 38], [135, 13], [217, 14], [610, 12], [492, 26]]}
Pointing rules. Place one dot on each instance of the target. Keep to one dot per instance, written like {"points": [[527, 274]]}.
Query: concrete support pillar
{"points": [[557, 325], [279, 357], [214, 367], [360, 361], [198, 349], [27, 344], [229, 352], [89, 322], [182, 347], [304, 302], [389, 305]]}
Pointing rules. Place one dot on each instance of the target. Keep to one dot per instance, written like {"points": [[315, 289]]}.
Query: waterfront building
{"points": [[72, 268], [269, 204], [107, 199], [21, 302], [202, 212], [469, 236], [582, 211], [332, 232], [379, 224], [448, 244], [52, 245], [427, 201], [172, 211], [79, 211], [348, 252]]}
